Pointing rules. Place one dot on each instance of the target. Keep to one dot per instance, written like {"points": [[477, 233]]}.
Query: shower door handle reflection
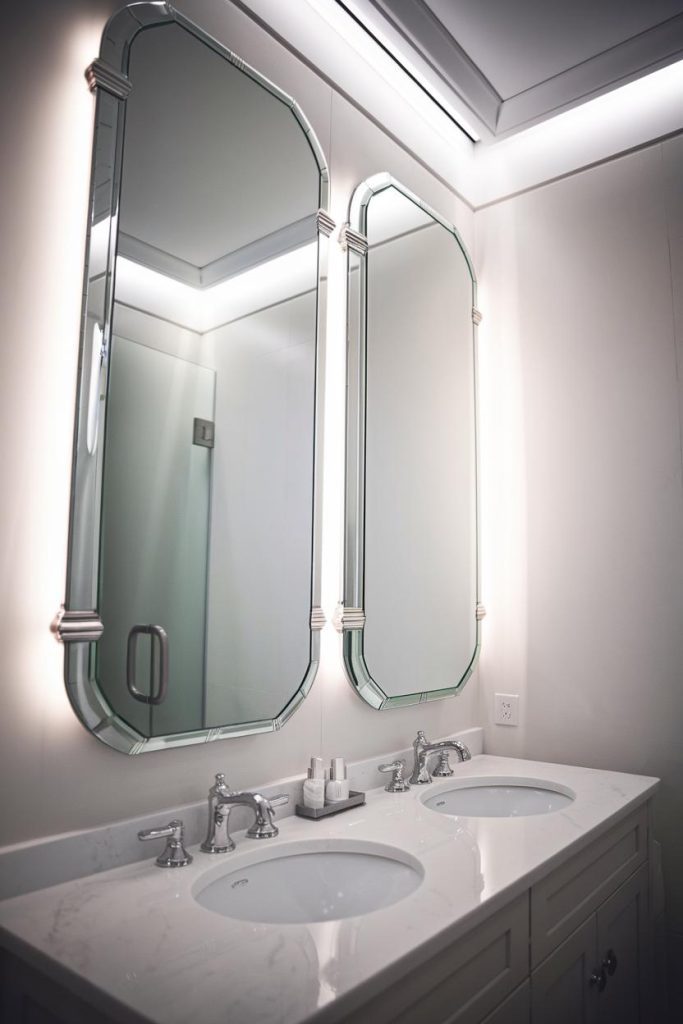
{"points": [[159, 638]]}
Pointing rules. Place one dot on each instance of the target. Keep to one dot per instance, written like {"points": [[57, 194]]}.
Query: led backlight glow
{"points": [[203, 309]]}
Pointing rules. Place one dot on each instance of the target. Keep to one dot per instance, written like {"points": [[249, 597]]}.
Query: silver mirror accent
{"points": [[411, 580], [138, 542]]}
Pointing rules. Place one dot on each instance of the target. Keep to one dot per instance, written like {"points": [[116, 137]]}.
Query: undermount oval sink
{"points": [[499, 798], [308, 882]]}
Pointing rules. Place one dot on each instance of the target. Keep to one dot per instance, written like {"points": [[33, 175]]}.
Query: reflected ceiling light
{"points": [[203, 309], [97, 353]]}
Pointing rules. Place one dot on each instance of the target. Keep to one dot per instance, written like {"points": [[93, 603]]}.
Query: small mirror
{"points": [[193, 589], [410, 611]]}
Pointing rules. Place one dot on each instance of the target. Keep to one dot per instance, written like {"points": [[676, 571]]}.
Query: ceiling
{"points": [[504, 65], [217, 172]]}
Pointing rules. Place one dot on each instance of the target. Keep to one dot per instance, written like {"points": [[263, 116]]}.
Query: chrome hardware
{"points": [[325, 223], [477, 316], [203, 432], [156, 632], [397, 783], [218, 839], [264, 827], [354, 240], [598, 978], [480, 612], [610, 963], [175, 855], [100, 75], [318, 619], [219, 789], [348, 618], [443, 770], [423, 749], [70, 627]]}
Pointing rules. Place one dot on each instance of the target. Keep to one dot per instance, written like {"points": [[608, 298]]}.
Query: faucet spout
{"points": [[219, 839], [424, 749]]}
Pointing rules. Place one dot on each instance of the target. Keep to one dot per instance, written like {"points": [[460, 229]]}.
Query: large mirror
{"points": [[192, 608], [410, 611]]}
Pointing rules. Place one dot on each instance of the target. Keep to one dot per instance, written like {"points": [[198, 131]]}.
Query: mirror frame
{"points": [[350, 615], [78, 624]]}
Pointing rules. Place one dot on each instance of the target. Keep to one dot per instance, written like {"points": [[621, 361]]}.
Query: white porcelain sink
{"points": [[306, 882], [499, 798]]}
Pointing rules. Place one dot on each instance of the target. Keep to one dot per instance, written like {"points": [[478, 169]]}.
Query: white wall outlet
{"points": [[506, 708]]}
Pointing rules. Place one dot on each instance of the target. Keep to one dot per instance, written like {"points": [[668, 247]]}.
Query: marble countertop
{"points": [[141, 940]]}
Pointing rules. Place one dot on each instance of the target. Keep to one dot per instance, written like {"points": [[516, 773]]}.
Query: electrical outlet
{"points": [[506, 708]]}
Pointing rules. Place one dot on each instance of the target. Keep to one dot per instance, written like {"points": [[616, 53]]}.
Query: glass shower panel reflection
{"points": [[263, 499], [155, 530]]}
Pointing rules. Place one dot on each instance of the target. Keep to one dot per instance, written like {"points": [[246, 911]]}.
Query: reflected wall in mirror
{"points": [[410, 610], [193, 587]]}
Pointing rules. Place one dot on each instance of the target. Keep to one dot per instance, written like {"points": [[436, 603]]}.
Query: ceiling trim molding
{"points": [[657, 47], [416, 35], [417, 25], [158, 259], [262, 250]]}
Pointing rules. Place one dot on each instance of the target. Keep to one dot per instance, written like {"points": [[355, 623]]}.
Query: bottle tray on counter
{"points": [[353, 800]]}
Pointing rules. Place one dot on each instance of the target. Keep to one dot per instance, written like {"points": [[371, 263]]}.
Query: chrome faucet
{"points": [[222, 800], [174, 855], [424, 749], [219, 790]]}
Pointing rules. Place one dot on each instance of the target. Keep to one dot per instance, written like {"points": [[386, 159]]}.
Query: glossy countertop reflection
{"points": [[139, 937]]}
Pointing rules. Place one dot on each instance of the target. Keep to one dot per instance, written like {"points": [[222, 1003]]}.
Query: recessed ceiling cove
{"points": [[212, 121], [512, 63]]}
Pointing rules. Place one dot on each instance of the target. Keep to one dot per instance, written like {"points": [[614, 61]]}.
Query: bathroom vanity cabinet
{"points": [[538, 920], [573, 948]]}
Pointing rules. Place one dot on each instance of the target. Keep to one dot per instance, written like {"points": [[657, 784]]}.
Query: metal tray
{"points": [[354, 800]]}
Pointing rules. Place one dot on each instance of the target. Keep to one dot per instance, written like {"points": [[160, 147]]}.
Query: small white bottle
{"points": [[338, 786], [314, 785]]}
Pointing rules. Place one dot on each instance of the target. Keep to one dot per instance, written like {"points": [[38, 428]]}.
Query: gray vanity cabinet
{"points": [[514, 1010], [599, 973], [622, 926], [561, 989]]}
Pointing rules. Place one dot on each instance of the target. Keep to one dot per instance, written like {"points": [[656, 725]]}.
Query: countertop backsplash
{"points": [[25, 867]]}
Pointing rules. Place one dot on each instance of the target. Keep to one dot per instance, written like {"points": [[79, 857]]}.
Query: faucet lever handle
{"points": [[264, 827], [443, 770], [175, 855], [397, 783]]}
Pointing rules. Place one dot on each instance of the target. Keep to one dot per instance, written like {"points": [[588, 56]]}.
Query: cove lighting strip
{"points": [[204, 309]]}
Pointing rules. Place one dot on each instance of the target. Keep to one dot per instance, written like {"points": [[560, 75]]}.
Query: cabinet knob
{"points": [[610, 963], [599, 979]]}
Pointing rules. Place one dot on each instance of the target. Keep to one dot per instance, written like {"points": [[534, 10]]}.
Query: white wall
{"points": [[582, 348], [57, 776]]}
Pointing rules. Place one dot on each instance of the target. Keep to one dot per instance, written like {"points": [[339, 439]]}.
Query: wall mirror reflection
{"points": [[193, 589], [410, 611]]}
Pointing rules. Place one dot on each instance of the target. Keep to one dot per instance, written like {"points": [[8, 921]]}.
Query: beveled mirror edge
{"points": [[107, 77], [349, 619]]}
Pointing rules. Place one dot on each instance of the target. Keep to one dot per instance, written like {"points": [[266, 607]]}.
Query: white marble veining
{"points": [[139, 935]]}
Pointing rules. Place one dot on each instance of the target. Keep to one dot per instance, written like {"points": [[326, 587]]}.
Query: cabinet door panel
{"points": [[515, 1009], [622, 945], [561, 991], [577, 888], [462, 983]]}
